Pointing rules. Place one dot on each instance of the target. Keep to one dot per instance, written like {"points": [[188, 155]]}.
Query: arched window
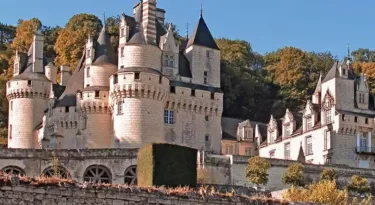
{"points": [[131, 175], [13, 170], [97, 174], [59, 171]]}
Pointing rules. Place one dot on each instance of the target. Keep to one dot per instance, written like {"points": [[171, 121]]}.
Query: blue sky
{"points": [[313, 25]]}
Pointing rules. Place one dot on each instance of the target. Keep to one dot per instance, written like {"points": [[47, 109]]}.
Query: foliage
{"points": [[359, 185], [50, 37], [256, 170], [294, 175], [112, 24], [328, 174], [71, 40], [323, 192], [7, 33], [24, 34], [156, 166]]}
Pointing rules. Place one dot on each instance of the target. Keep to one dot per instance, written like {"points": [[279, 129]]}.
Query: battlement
{"points": [[28, 89]]}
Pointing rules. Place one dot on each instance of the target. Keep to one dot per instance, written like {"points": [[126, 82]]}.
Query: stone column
{"points": [[369, 141]]}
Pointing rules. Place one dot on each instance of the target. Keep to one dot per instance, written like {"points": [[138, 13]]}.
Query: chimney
{"points": [[65, 75], [37, 47], [51, 73], [149, 21]]}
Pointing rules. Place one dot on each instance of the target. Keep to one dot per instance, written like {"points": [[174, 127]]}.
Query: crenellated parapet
{"points": [[139, 90], [28, 89], [204, 106], [93, 107]]}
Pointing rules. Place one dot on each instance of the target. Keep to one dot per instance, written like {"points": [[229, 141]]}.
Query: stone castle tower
{"points": [[151, 90]]}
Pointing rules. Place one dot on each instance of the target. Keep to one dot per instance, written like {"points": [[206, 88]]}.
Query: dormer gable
{"points": [[289, 124], [362, 93], [272, 131], [310, 117], [168, 42], [245, 131], [344, 69]]}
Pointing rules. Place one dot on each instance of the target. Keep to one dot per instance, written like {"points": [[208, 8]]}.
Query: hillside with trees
{"points": [[254, 85]]}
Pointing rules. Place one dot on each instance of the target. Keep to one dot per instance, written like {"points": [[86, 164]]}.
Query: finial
{"points": [[201, 11], [187, 30], [104, 23], [348, 50]]}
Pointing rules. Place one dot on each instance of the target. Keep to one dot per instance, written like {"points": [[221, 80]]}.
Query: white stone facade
{"points": [[337, 126], [152, 90]]}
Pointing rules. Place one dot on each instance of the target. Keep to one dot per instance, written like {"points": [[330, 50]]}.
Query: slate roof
{"points": [[195, 86], [58, 90], [104, 52], [202, 36], [230, 126], [75, 84], [184, 66], [334, 72]]}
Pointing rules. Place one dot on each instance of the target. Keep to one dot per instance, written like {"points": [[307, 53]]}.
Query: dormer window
{"points": [[88, 72], [168, 61], [343, 72], [122, 32], [247, 133], [287, 131], [309, 123], [328, 116], [361, 98]]}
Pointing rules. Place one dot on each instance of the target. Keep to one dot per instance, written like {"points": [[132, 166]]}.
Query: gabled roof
{"points": [[104, 52], [202, 36]]}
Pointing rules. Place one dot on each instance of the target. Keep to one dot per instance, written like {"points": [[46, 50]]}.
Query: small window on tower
{"points": [[136, 76], [122, 32], [29, 83], [67, 109], [193, 93], [165, 62], [173, 89], [97, 94], [212, 96], [115, 79], [11, 105], [122, 51], [10, 131], [355, 119], [366, 120], [207, 54], [171, 61], [88, 72], [160, 79], [205, 77]]}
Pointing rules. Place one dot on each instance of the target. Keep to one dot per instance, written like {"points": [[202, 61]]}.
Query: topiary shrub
{"points": [[328, 174], [294, 175], [166, 165]]}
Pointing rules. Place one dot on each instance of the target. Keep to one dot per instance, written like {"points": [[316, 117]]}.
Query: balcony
{"points": [[365, 150]]}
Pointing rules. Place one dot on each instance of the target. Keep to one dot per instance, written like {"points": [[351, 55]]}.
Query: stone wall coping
{"points": [[67, 153]]}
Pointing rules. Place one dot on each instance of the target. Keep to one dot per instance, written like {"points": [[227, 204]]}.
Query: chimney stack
{"points": [[65, 75], [37, 47], [149, 20]]}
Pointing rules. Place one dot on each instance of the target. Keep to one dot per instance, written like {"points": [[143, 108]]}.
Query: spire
{"points": [[201, 16], [319, 84], [301, 155], [187, 30], [104, 51], [202, 36]]}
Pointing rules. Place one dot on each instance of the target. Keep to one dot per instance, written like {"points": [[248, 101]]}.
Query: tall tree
{"points": [[112, 24], [50, 37], [7, 33], [73, 37], [24, 34]]}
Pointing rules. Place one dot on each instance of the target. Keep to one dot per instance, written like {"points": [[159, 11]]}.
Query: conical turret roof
{"points": [[202, 36], [104, 51]]}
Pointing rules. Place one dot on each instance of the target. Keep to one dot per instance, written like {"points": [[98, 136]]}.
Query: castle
{"points": [[153, 90]]}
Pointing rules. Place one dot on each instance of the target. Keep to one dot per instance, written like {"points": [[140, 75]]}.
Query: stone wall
{"points": [[32, 195]]}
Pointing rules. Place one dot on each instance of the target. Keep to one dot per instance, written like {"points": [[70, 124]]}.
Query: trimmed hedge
{"points": [[166, 165]]}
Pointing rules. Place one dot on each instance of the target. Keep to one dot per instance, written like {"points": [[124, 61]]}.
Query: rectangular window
{"points": [[119, 108], [355, 119], [229, 149], [287, 131], [343, 117], [361, 98], [97, 94], [11, 105], [212, 96], [122, 32], [309, 123], [67, 109], [160, 79], [363, 142], [328, 117], [272, 153], [287, 151], [173, 89], [29, 83], [136, 76], [247, 134], [88, 72], [326, 140], [207, 54], [343, 72], [366, 120], [168, 117], [115, 79], [309, 150], [165, 62], [10, 131], [193, 93], [122, 51], [248, 151], [205, 77], [171, 61]]}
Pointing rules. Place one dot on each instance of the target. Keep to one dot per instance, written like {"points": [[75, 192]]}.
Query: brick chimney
{"points": [[149, 20]]}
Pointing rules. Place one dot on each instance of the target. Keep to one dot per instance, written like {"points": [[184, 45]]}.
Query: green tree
{"points": [[7, 34], [50, 37], [71, 40], [294, 175], [359, 185], [256, 170], [328, 174], [112, 24], [363, 55]]}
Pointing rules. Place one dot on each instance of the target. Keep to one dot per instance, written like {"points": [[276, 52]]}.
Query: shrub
{"points": [[323, 192], [359, 185], [167, 165], [202, 176], [294, 175], [256, 171], [328, 174]]}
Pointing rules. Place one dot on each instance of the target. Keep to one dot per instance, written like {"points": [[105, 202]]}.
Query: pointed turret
{"points": [[301, 155], [202, 36], [332, 73], [104, 52], [318, 89]]}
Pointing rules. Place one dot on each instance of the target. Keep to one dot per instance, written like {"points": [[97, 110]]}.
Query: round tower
{"points": [[28, 95], [138, 93], [92, 102]]}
